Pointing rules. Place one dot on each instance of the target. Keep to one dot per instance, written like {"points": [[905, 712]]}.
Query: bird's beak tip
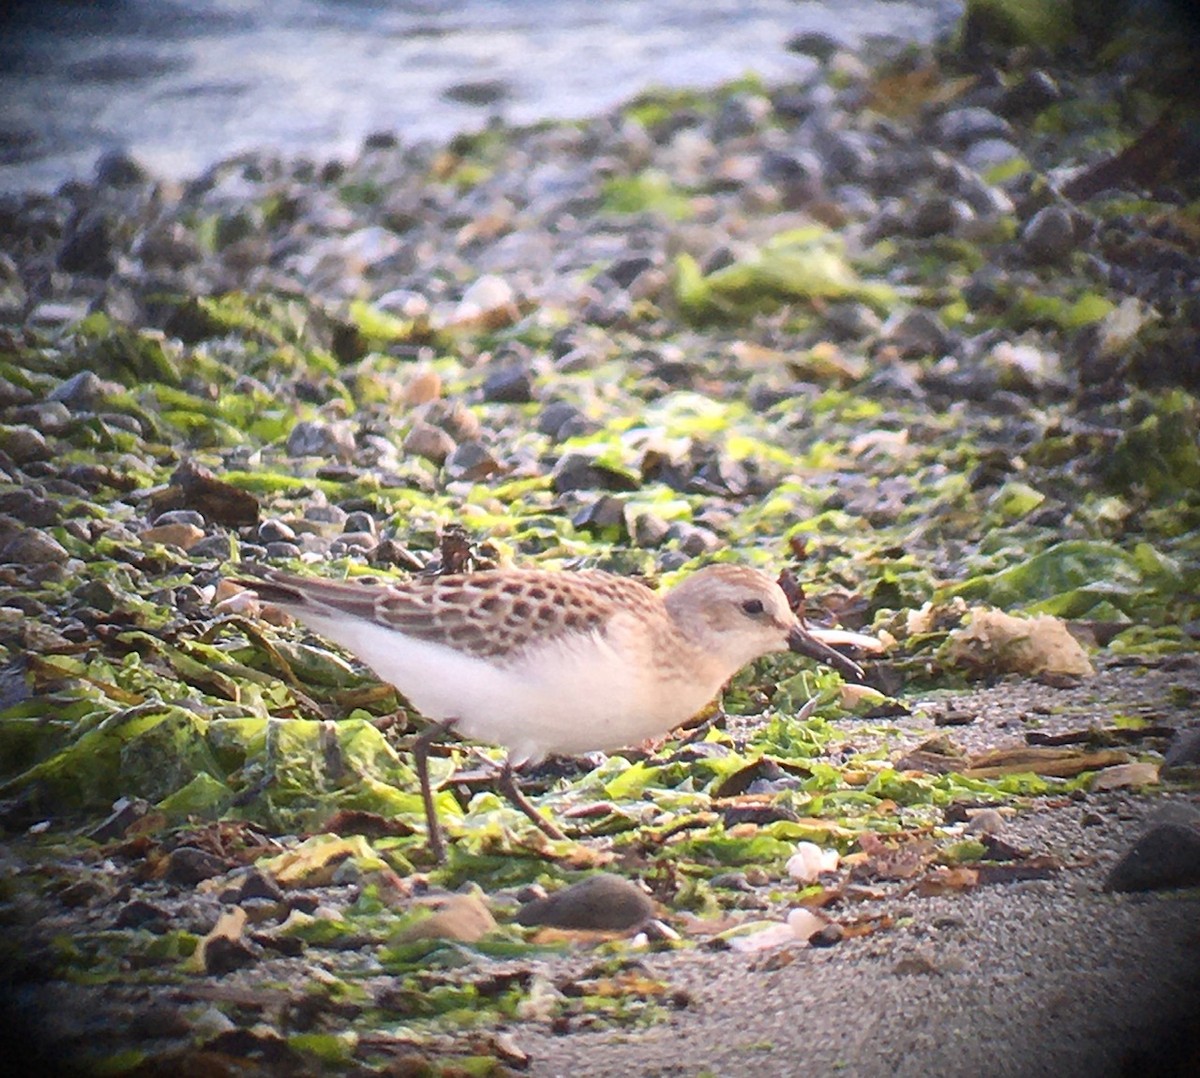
{"points": [[801, 641]]}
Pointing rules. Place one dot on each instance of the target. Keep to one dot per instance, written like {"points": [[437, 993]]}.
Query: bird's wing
{"points": [[485, 614]]}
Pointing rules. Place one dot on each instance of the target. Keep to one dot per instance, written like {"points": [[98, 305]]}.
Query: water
{"points": [[182, 84]]}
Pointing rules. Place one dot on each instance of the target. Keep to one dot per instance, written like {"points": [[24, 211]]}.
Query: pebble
{"points": [[472, 461], [24, 444], [34, 547], [508, 385], [48, 416], [1167, 855], [601, 902], [360, 522], [82, 390], [312, 438], [1049, 235], [184, 536], [188, 865], [429, 442], [1183, 752], [273, 530], [961, 127]]}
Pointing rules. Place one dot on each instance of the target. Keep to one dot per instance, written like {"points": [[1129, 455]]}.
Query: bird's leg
{"points": [[506, 783], [420, 751]]}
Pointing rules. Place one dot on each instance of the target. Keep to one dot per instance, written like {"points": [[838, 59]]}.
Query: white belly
{"points": [[571, 698]]}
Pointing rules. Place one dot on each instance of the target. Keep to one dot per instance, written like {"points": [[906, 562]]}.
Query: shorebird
{"points": [[542, 662]]}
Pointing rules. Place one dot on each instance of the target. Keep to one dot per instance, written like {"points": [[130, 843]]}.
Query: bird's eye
{"points": [[753, 606]]}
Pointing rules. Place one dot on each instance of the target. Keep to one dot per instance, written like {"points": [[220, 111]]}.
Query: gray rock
{"points": [[90, 246], [82, 391], [1049, 235], [1183, 752], [601, 902], [560, 420], [815, 43], [326, 514], [34, 547], [359, 521], [429, 442], [23, 444], [990, 153], [181, 516], [938, 215], [188, 865], [961, 127], [650, 530], [472, 461], [607, 511], [578, 471], [919, 333], [13, 295], [1034, 92], [275, 531], [508, 385], [312, 438], [1167, 855], [354, 543]]}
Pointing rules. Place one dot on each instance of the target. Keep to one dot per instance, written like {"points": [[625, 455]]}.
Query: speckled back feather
{"points": [[466, 611]]}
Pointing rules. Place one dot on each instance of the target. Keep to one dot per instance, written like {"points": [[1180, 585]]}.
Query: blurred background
{"points": [[183, 83]]}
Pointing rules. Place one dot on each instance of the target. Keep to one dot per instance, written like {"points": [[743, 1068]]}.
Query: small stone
{"points": [[47, 417], [312, 438], [559, 420], [986, 822], [602, 902], [82, 390], [694, 540], [429, 442], [184, 536], [116, 168], [509, 385], [326, 514], [990, 153], [188, 865], [125, 812], [275, 531], [472, 461], [354, 543], [961, 127], [158, 1021], [919, 333], [281, 551], [24, 444], [1183, 752], [259, 884], [939, 216], [143, 914], [89, 246], [34, 547], [1167, 855], [578, 471], [464, 918], [1049, 235], [180, 516], [222, 954], [1036, 91], [607, 511], [650, 530], [359, 521], [815, 43], [423, 385]]}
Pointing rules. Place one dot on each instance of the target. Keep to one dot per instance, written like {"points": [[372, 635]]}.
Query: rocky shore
{"points": [[922, 330]]}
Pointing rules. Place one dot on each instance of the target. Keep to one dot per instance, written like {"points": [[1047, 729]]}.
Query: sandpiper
{"points": [[543, 662]]}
